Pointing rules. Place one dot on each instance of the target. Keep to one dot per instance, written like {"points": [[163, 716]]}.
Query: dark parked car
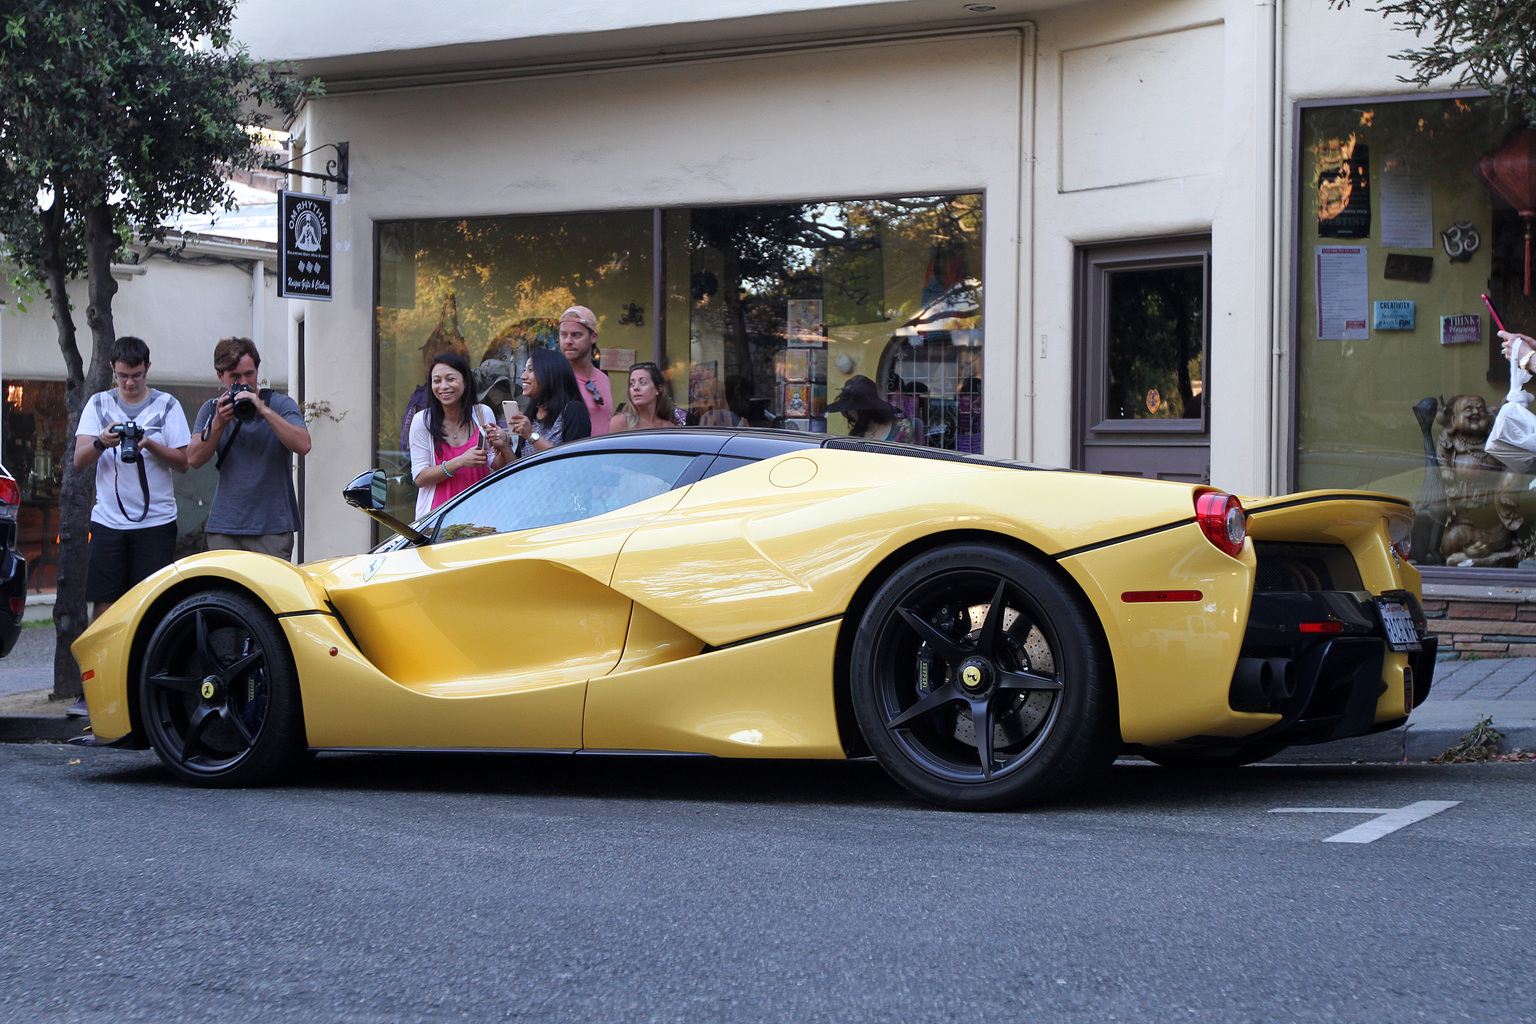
{"points": [[13, 568]]}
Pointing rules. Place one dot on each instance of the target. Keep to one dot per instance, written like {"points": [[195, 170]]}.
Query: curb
{"points": [[40, 728]]}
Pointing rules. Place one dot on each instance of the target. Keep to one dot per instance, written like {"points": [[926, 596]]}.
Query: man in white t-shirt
{"points": [[133, 523], [578, 343]]}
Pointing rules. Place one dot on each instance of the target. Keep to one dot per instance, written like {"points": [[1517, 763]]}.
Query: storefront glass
{"points": [[1399, 372], [767, 309]]}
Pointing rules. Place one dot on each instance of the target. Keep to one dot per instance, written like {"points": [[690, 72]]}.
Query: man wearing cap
{"points": [[578, 342]]}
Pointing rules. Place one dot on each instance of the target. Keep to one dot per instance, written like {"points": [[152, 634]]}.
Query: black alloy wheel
{"points": [[978, 680], [218, 695]]}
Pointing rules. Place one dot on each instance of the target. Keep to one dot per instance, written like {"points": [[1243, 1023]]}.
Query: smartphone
{"points": [[509, 409], [1494, 313]]}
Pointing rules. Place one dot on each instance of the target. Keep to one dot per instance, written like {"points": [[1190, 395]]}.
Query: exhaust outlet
{"points": [[1283, 675], [1253, 684]]}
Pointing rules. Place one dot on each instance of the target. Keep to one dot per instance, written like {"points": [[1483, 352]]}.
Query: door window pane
{"points": [[1156, 346], [561, 491]]}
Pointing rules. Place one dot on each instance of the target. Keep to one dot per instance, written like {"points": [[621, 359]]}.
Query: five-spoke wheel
{"points": [[218, 694], [977, 680]]}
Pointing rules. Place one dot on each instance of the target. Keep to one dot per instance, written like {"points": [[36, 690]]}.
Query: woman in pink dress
{"points": [[454, 442]]}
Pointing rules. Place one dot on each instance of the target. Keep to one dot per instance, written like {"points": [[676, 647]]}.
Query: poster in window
{"points": [[1343, 302], [704, 386], [797, 364], [397, 266], [797, 400], [1343, 189], [818, 360], [804, 324]]}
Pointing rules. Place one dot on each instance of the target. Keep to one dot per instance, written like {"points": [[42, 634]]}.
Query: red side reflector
{"points": [[10, 491], [1144, 596], [1321, 627], [89, 673], [18, 605]]}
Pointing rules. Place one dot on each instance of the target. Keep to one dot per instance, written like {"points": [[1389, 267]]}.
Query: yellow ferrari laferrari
{"points": [[992, 633]]}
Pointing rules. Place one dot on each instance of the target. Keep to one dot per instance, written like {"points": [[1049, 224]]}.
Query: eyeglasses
{"points": [[125, 378], [591, 386]]}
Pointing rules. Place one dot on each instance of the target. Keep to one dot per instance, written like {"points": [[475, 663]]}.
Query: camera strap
{"points": [[218, 463], [143, 485]]}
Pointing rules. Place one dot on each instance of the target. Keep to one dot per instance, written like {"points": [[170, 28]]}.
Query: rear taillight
{"points": [[1400, 528], [1222, 520], [10, 494]]}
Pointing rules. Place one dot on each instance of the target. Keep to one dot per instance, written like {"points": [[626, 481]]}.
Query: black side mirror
{"points": [[369, 492]]}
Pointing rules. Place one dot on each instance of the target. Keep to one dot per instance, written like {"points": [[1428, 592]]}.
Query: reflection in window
{"points": [[1156, 343], [562, 491], [788, 301]]}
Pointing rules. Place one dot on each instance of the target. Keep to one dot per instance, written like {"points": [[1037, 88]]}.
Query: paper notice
{"points": [[1407, 207], [1343, 305]]}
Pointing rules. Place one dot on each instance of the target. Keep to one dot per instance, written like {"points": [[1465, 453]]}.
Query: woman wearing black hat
{"points": [[870, 416]]}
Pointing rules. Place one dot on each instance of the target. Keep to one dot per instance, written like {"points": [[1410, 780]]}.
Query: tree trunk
{"points": [[738, 351], [77, 491]]}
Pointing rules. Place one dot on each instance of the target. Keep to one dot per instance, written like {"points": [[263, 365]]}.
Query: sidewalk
{"points": [[1503, 689], [1463, 692]]}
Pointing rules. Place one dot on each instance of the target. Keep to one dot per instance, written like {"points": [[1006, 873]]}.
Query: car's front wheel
{"points": [[977, 680], [218, 694]]}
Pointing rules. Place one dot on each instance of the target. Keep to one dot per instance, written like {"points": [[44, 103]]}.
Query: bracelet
{"points": [[444, 467]]}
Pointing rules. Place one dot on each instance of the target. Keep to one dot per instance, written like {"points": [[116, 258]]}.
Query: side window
{"points": [[561, 491]]}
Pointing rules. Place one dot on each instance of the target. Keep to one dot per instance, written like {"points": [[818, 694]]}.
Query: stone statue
{"points": [[1481, 511]]}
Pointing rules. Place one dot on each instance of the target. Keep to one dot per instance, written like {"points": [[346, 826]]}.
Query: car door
{"points": [[509, 607]]}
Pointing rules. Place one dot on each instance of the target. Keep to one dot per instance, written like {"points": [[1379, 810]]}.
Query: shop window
{"points": [[766, 310], [1398, 369]]}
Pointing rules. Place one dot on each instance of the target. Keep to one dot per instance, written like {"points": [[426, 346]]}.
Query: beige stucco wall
{"points": [[180, 310]]}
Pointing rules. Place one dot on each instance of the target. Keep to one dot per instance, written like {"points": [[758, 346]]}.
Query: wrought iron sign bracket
{"points": [[336, 170]]}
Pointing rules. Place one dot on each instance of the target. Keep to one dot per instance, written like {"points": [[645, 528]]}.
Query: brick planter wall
{"points": [[1490, 622]]}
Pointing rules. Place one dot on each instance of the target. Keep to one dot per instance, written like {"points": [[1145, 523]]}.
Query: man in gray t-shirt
{"points": [[252, 438]]}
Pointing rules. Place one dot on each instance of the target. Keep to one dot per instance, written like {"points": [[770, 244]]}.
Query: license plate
{"points": [[1401, 635]]}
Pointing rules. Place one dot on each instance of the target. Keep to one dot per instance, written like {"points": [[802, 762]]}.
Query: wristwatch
{"points": [[1525, 360], [101, 447], [533, 437]]}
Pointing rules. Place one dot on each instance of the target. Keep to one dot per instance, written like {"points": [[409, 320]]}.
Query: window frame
{"points": [[1095, 264]]}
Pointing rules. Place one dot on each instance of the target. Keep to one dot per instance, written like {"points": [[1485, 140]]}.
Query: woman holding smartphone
{"points": [[559, 414]]}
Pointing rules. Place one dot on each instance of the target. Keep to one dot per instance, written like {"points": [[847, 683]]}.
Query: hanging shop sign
{"points": [[304, 246]]}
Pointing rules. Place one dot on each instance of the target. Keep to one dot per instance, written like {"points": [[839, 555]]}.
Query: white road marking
{"points": [[1388, 820]]}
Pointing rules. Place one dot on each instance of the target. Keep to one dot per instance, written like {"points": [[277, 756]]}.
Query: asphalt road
{"points": [[401, 888]]}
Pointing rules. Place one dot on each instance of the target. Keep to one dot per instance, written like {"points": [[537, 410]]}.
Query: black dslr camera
{"points": [[131, 433], [243, 408]]}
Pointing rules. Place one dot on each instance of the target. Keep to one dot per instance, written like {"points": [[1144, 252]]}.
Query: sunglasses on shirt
{"points": [[591, 386]]}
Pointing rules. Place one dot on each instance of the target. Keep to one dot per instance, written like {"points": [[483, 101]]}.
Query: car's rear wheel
{"points": [[978, 682], [218, 695]]}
